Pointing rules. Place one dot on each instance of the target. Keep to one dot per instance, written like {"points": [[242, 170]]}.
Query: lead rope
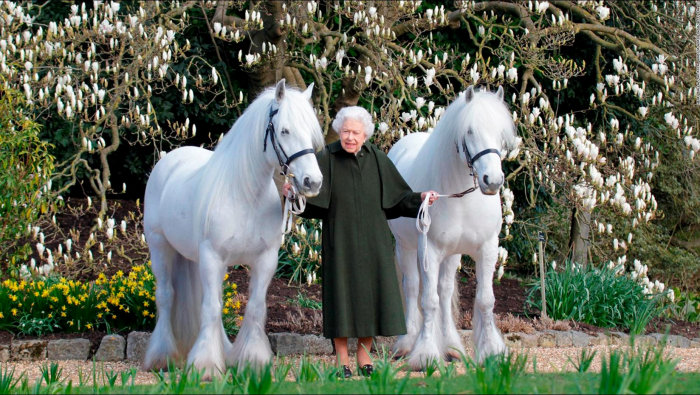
{"points": [[292, 205], [423, 221]]}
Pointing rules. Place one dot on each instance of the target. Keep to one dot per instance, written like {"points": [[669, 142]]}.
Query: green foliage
{"points": [[634, 371], [37, 326], [384, 378], [598, 296], [304, 301], [584, 361], [308, 372], [8, 382], [671, 263], [119, 303], [639, 373], [25, 170], [254, 380], [497, 374], [51, 374], [686, 306], [300, 255]]}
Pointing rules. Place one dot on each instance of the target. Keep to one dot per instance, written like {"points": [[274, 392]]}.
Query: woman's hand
{"points": [[286, 189], [433, 197]]}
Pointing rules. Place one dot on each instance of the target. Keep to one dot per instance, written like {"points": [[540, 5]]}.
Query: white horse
{"points": [[205, 211], [480, 123]]}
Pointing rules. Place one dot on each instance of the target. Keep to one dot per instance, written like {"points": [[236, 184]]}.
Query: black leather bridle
{"points": [[470, 162], [282, 157]]}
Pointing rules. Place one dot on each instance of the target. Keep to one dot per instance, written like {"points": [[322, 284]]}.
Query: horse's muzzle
{"points": [[310, 187], [490, 185]]}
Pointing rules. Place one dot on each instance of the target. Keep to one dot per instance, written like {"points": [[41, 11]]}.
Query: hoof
{"points": [[399, 356], [452, 357]]}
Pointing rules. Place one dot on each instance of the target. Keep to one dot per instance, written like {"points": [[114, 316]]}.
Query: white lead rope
{"points": [[423, 225], [292, 205]]}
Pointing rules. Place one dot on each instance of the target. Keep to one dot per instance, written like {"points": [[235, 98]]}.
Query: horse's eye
{"points": [[285, 131], [470, 132]]}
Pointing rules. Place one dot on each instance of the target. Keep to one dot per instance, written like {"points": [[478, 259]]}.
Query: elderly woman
{"points": [[361, 190]]}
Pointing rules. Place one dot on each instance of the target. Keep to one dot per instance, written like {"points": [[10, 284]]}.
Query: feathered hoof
{"points": [[452, 356], [403, 346], [253, 354], [209, 370], [399, 355], [419, 362], [496, 350], [163, 361], [156, 364]]}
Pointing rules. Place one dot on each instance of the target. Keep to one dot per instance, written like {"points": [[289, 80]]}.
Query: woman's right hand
{"points": [[286, 189]]}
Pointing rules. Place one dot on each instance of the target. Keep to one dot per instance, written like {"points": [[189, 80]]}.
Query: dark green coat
{"points": [[360, 192]]}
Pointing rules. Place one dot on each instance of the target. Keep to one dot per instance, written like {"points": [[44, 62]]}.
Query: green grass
{"points": [[633, 371], [597, 296], [302, 300]]}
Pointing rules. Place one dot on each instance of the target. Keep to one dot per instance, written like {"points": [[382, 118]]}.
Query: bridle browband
{"points": [[472, 159], [279, 151]]}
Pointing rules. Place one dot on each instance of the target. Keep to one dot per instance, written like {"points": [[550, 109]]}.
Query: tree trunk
{"points": [[579, 241]]}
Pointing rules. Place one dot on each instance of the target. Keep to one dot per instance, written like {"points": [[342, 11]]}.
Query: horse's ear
{"points": [[499, 93], [279, 90], [309, 91], [469, 94]]}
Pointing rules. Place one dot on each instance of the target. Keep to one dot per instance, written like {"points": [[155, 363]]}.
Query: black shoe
{"points": [[367, 370], [344, 372]]}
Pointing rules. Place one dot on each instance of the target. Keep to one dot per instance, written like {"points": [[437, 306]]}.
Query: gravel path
{"points": [[548, 360]]}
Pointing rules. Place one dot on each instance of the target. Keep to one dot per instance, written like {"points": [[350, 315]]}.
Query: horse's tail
{"points": [[187, 299]]}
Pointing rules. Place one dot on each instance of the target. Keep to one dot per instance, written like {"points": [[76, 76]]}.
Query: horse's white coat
{"points": [[468, 225], [205, 211]]}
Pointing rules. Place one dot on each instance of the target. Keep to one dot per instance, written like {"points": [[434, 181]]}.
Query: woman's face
{"points": [[352, 135]]}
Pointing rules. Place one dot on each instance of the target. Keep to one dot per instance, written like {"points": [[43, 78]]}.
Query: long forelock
{"points": [[486, 113], [301, 118]]}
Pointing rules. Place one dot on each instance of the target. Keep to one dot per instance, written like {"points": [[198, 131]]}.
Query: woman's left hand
{"points": [[433, 196]]}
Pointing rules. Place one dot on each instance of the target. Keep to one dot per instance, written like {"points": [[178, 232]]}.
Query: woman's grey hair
{"points": [[356, 113]]}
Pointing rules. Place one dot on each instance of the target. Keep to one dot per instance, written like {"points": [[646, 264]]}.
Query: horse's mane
{"points": [[485, 113], [233, 171]]}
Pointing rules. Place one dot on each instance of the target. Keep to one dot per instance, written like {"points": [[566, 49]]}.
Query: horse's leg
{"points": [[252, 345], [406, 260], [162, 345], [207, 352], [487, 338], [427, 347], [452, 343]]}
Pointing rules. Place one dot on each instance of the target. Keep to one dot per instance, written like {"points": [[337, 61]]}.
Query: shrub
{"points": [[120, 303], [25, 168], [300, 254], [604, 297]]}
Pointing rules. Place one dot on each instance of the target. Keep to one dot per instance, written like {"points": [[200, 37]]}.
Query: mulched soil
{"points": [[284, 314]]}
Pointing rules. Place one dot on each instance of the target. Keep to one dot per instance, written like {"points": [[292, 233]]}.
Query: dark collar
{"points": [[335, 147]]}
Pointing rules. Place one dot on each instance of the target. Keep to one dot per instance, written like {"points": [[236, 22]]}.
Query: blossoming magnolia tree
{"points": [[596, 87], [603, 93], [99, 69]]}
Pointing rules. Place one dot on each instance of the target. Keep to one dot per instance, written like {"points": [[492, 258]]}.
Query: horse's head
{"points": [[488, 132], [294, 134]]}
